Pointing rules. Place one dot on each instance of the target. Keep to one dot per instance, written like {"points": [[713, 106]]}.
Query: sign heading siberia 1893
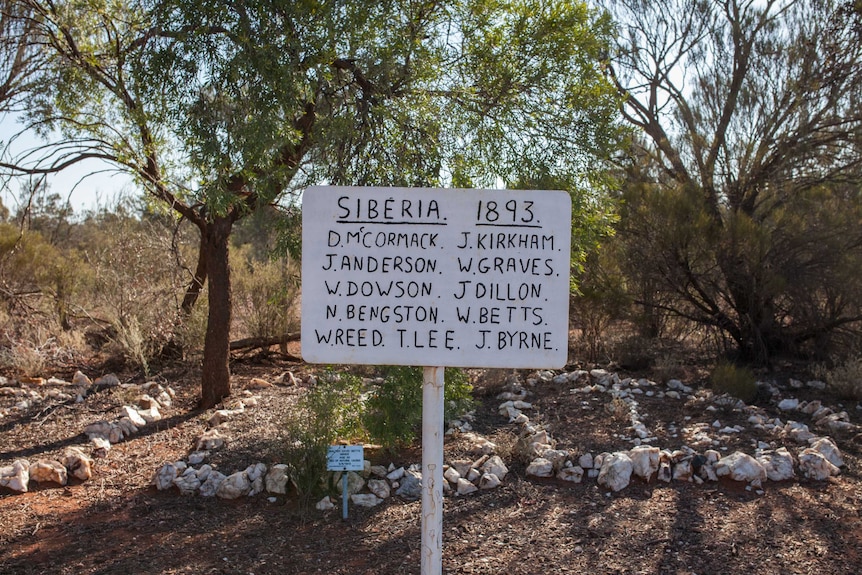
{"points": [[442, 277]]}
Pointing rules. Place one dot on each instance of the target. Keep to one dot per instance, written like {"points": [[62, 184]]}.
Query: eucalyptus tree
{"points": [[19, 60], [743, 206], [222, 108]]}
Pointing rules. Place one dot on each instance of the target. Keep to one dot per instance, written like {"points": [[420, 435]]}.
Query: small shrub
{"points": [[734, 380], [845, 381], [329, 411], [393, 414]]}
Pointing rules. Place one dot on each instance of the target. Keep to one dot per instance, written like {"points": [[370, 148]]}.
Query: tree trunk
{"points": [[197, 283], [215, 377]]}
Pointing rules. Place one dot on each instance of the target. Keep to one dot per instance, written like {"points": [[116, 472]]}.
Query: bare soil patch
{"points": [[118, 523]]}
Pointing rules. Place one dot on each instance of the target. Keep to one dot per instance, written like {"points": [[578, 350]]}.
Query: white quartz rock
{"points": [[495, 465], [48, 471], [778, 464], [829, 450], [540, 467], [645, 460], [234, 486], [489, 481], [740, 467], [574, 474], [616, 471], [165, 476], [814, 465], [277, 479], [210, 486], [365, 500], [379, 487], [464, 487]]}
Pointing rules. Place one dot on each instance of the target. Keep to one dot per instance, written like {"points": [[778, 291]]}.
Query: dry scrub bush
{"points": [[39, 288], [845, 380], [189, 334], [137, 288], [734, 380], [265, 294]]}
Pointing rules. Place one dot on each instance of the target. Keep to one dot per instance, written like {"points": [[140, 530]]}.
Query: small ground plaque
{"points": [[345, 458]]}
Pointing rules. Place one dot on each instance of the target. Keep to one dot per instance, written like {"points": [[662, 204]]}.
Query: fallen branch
{"points": [[260, 342]]}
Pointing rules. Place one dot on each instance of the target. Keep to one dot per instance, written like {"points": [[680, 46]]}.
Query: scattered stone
{"points": [[797, 431], [210, 440], [677, 385], [811, 407], [16, 476], [126, 426], [164, 398], [255, 471], [395, 474], [258, 383], [133, 416], [197, 457], [365, 500], [147, 402], [115, 433], [98, 429], [188, 483], [789, 404], [355, 483], [325, 504], [495, 466], [204, 472], [165, 476], [451, 475], [106, 382], [557, 457], [574, 474], [150, 415], [683, 470], [101, 447]]}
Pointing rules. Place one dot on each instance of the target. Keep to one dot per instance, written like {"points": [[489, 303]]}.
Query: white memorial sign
{"points": [[436, 277]]}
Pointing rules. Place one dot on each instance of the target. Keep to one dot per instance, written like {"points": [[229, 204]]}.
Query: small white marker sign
{"points": [[435, 277], [345, 458]]}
